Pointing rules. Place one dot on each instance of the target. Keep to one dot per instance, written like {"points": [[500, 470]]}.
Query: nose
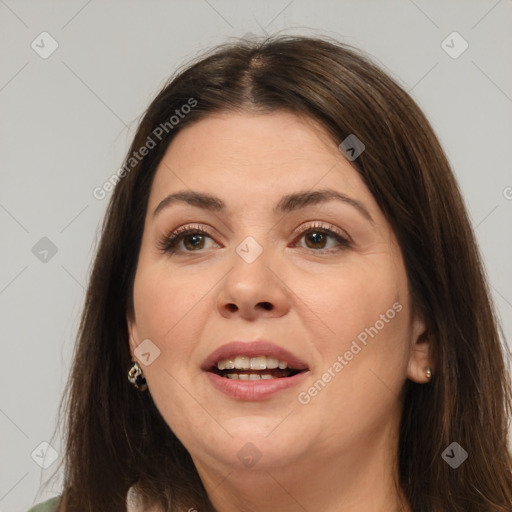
{"points": [[253, 290]]}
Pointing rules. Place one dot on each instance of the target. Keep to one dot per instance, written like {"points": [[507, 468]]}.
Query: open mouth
{"points": [[254, 368], [252, 371]]}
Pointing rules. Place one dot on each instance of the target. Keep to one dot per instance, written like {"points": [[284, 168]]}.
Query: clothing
{"points": [[133, 503], [48, 506]]}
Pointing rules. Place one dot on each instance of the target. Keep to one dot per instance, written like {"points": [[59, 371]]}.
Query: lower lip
{"points": [[253, 390]]}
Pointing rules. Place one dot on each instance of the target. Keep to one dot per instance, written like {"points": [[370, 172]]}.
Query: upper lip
{"points": [[252, 349]]}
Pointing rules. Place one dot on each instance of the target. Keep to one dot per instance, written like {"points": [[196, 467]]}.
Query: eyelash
{"points": [[167, 244]]}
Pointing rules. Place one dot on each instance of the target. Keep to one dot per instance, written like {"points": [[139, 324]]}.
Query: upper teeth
{"points": [[251, 363]]}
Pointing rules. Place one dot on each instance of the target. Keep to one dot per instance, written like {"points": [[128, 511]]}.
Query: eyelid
{"points": [[171, 238], [166, 240], [324, 226], [191, 227]]}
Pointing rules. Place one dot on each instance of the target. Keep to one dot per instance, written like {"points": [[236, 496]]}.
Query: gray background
{"points": [[67, 121]]}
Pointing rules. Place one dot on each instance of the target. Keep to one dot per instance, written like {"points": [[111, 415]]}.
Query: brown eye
{"points": [[184, 240], [193, 242], [316, 240], [320, 238]]}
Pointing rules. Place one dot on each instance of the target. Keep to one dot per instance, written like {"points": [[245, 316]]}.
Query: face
{"points": [[274, 251]]}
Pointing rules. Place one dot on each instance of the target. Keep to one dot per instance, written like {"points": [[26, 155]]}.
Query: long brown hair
{"points": [[116, 437]]}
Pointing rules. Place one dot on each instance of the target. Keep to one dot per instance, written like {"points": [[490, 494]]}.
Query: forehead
{"points": [[244, 155]]}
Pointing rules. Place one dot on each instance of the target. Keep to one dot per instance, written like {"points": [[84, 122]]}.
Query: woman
{"points": [[287, 309]]}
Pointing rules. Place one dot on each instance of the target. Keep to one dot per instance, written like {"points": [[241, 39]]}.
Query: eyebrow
{"points": [[287, 203]]}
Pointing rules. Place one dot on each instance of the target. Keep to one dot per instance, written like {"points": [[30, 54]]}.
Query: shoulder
{"points": [[47, 506]]}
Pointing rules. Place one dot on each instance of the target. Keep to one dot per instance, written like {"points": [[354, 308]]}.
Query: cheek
{"points": [[363, 360], [170, 309], [366, 299], [166, 294]]}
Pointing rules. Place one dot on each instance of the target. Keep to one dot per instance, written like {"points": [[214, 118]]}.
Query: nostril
{"points": [[265, 305], [232, 308]]}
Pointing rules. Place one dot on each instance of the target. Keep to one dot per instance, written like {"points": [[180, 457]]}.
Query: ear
{"points": [[421, 356], [133, 335]]}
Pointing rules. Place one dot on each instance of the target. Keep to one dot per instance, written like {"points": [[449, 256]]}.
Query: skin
{"points": [[337, 452]]}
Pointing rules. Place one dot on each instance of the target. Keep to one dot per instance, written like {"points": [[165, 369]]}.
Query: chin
{"points": [[255, 447]]}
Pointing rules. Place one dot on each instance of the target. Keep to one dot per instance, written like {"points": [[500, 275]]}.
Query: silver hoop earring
{"points": [[136, 377]]}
